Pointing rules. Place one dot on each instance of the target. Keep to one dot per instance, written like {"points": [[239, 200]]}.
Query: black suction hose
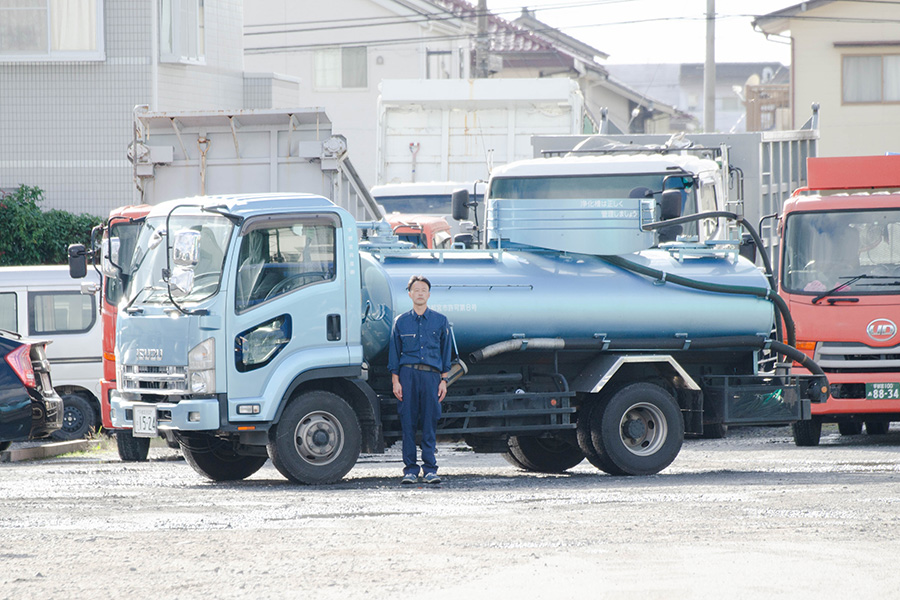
{"points": [[766, 294], [767, 262], [603, 344]]}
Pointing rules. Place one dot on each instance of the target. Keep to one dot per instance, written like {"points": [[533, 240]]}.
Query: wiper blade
{"points": [[851, 280]]}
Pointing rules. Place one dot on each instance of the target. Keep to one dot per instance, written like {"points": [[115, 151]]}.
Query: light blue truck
{"points": [[255, 327]]}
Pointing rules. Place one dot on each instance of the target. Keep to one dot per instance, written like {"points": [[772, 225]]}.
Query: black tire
{"points": [[639, 430], [79, 418], [714, 431], [5, 446], [216, 459], [586, 444], [877, 427], [807, 433], [544, 455], [317, 439], [511, 459], [850, 427], [132, 449]]}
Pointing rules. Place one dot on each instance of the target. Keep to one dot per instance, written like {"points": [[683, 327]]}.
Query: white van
{"points": [[46, 303]]}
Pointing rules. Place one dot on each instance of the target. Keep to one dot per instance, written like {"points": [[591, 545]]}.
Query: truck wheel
{"points": [[544, 455], [586, 444], [132, 449], [807, 433], [714, 431], [79, 418], [850, 427], [216, 459], [317, 440], [639, 430], [511, 459], [877, 427]]}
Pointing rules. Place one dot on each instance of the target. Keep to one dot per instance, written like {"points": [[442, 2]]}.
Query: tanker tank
{"points": [[492, 296]]}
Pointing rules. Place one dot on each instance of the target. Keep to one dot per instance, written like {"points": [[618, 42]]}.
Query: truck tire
{"points": [[877, 427], [639, 430], [850, 427], [511, 459], [544, 455], [132, 449], [807, 433], [79, 418], [586, 444], [714, 431], [318, 439], [216, 459]]}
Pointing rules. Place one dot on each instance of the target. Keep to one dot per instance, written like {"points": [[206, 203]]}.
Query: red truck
{"points": [[840, 275], [113, 244]]}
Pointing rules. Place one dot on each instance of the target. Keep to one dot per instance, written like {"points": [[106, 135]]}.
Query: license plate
{"points": [[883, 391], [145, 424]]}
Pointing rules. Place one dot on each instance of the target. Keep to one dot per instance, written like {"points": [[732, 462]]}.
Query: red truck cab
{"points": [[116, 248], [840, 275], [423, 231]]}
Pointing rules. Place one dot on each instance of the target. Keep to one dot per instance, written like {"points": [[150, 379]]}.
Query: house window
{"points": [[871, 78], [341, 68], [50, 30], [182, 31]]}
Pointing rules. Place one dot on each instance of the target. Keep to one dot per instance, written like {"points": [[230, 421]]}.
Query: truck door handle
{"points": [[333, 327]]}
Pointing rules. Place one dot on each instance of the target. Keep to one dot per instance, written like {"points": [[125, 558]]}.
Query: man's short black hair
{"points": [[416, 278]]}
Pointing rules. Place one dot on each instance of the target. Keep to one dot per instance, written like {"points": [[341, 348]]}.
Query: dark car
{"points": [[29, 406]]}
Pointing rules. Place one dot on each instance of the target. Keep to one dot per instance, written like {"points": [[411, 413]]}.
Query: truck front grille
{"points": [[154, 379], [854, 357]]}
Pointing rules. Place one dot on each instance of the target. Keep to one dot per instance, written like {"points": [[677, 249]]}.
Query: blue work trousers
{"points": [[420, 406]]}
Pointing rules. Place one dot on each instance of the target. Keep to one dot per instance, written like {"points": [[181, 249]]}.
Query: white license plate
{"points": [[883, 391], [145, 424]]}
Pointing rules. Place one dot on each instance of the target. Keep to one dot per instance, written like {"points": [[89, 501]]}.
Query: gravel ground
{"points": [[749, 516]]}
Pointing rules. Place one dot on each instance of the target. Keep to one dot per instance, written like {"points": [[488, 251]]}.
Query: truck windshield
{"points": [[842, 253], [148, 283], [126, 230]]}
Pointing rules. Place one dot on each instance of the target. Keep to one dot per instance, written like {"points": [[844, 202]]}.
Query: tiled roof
{"points": [[503, 35]]}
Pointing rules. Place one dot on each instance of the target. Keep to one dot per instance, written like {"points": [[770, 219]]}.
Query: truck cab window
{"points": [[276, 259]]}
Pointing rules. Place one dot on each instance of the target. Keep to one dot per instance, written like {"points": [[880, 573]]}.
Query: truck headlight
{"points": [[202, 367], [256, 347]]}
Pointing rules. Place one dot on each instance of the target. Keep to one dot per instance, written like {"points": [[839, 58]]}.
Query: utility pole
{"points": [[709, 70], [481, 41]]}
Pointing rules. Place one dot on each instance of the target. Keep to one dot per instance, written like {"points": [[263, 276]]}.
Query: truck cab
{"points": [[840, 275], [237, 295]]}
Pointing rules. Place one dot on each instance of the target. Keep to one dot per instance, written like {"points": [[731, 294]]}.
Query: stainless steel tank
{"points": [[493, 296]]}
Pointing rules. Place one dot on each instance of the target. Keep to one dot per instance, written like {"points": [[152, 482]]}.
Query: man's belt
{"points": [[421, 367]]}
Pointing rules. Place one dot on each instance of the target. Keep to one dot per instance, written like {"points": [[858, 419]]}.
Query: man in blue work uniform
{"points": [[419, 362]]}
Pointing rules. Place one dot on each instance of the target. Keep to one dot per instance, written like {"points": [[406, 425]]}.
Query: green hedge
{"points": [[30, 236]]}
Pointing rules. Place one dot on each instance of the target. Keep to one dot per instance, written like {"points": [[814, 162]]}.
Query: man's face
{"points": [[419, 293]]}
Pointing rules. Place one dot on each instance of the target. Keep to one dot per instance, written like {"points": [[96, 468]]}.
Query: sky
{"points": [[658, 31]]}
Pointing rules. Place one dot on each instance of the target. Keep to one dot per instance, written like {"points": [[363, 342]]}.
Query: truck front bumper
{"points": [[197, 414]]}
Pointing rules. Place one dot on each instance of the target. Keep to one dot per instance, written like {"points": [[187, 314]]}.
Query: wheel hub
{"points": [[634, 429], [319, 438]]}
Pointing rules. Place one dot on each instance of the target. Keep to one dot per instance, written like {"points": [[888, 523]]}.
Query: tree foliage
{"points": [[30, 236]]}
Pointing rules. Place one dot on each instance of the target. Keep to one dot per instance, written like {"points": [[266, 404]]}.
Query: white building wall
{"points": [[65, 126], [352, 110], [846, 129]]}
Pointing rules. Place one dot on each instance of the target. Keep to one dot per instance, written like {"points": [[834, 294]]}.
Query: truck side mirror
{"points": [[459, 203], [109, 260], [77, 261], [670, 205], [186, 249], [748, 248]]}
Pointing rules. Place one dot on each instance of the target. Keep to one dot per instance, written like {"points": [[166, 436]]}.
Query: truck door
{"points": [[289, 306]]}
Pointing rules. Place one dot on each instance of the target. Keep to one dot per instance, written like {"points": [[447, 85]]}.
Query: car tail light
{"points": [[20, 361]]}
